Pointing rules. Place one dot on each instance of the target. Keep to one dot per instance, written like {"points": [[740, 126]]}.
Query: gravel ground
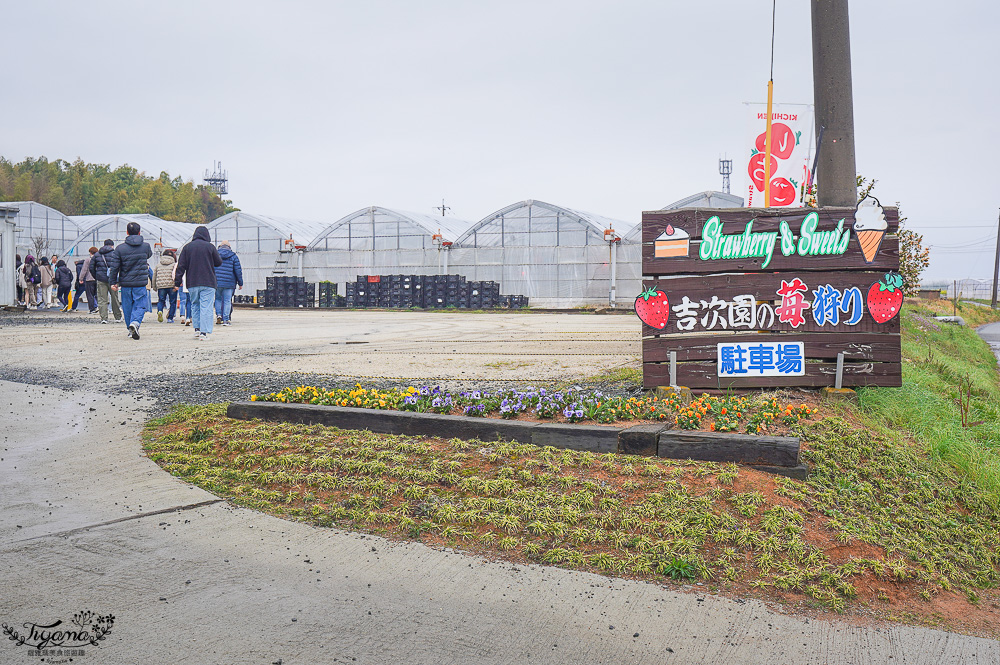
{"points": [[167, 384]]}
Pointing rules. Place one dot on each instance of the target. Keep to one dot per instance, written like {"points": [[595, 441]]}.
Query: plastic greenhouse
{"points": [[376, 240], [266, 245], [35, 220], [161, 234], [556, 256]]}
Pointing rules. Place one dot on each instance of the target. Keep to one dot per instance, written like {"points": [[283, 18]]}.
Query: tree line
{"points": [[79, 188]]}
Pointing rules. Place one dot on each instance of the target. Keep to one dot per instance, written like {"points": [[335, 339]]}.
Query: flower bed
{"points": [[730, 413]]}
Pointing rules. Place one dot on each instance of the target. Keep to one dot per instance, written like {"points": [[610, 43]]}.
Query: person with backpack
{"points": [[100, 269], [48, 275], [86, 282], [227, 276], [64, 282], [130, 273], [78, 286], [198, 261], [29, 277]]}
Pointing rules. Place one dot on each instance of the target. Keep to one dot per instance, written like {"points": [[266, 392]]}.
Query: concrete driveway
{"points": [[87, 522]]}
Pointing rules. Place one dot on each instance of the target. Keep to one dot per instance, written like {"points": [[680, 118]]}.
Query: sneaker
{"points": [[159, 316], [133, 330], [218, 319], [188, 322], [202, 337], [226, 323], [104, 321], [119, 320], [170, 320]]}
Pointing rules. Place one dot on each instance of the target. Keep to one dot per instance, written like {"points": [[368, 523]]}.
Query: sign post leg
{"points": [[840, 370]]}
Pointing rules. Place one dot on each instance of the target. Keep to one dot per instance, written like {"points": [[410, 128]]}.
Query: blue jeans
{"points": [[202, 304], [224, 303], [135, 303], [184, 303], [163, 296]]}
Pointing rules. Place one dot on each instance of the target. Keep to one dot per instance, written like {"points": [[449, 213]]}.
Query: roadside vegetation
{"points": [[898, 517], [950, 398]]}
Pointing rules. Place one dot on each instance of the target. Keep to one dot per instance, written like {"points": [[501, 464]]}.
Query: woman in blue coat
{"points": [[228, 276]]}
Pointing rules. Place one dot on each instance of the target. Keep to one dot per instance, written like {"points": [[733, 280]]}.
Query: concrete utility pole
{"points": [[836, 172], [996, 269]]}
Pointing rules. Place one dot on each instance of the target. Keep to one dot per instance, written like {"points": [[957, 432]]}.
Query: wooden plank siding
{"points": [[872, 350]]}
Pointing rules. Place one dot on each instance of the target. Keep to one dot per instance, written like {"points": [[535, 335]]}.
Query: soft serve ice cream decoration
{"points": [[870, 226]]}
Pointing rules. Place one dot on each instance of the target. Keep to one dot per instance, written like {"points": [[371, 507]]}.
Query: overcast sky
{"points": [[318, 109]]}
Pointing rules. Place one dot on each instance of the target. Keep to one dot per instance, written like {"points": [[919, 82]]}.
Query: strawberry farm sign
{"points": [[750, 297]]}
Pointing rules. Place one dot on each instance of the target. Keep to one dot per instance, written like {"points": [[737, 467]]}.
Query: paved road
{"points": [[87, 522], [991, 334]]}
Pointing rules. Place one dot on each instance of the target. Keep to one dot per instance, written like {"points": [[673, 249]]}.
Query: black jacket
{"points": [[198, 260], [129, 265], [100, 263], [64, 277]]}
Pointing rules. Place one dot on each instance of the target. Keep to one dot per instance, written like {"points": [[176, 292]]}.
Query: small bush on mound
{"points": [[727, 414]]}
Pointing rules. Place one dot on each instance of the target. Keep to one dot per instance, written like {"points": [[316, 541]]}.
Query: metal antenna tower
{"points": [[217, 180], [725, 168], [442, 207]]}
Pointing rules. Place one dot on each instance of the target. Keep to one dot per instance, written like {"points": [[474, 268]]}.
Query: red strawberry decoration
{"points": [[652, 307], [885, 298]]}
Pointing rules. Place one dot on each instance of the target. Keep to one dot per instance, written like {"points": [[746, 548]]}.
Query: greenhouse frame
{"points": [[35, 220], [161, 234]]}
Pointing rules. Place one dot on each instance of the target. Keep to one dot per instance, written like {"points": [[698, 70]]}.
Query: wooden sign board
{"points": [[751, 297]]}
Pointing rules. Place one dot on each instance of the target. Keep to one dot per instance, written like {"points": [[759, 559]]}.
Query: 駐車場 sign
{"points": [[769, 297]]}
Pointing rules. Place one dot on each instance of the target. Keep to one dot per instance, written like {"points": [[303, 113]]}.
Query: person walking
{"points": [[163, 281], [48, 275], [100, 270], [17, 279], [88, 281], [198, 261], [130, 274], [64, 283], [78, 285], [29, 277], [227, 276]]}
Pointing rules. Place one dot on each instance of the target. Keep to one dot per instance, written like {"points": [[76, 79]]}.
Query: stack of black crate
{"points": [[426, 291], [285, 291], [483, 295], [400, 291], [328, 295]]}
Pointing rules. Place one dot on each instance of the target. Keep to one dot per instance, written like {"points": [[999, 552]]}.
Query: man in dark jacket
{"points": [[130, 274], [228, 276], [198, 261], [100, 268]]}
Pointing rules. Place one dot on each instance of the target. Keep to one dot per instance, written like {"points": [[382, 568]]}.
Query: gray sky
{"points": [[611, 106]]}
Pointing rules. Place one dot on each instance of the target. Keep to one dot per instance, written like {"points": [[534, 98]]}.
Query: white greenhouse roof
{"points": [[449, 227], [154, 230], [707, 199], [303, 231], [597, 223]]}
